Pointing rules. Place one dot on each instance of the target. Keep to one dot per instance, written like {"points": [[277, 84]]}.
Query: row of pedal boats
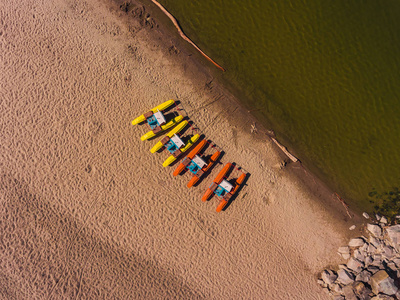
{"points": [[194, 163]]}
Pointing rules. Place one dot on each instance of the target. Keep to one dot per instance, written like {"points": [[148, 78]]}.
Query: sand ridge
{"points": [[88, 212]]}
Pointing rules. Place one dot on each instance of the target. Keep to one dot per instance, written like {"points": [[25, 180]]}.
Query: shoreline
{"points": [[172, 32], [86, 203]]}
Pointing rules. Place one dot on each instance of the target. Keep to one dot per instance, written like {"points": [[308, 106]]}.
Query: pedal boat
{"points": [[222, 188], [195, 164]]}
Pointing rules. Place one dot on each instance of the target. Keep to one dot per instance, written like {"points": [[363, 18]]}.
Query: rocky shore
{"points": [[372, 270]]}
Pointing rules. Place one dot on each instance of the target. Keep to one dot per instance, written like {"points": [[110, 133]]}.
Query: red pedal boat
{"points": [[196, 164], [223, 188]]}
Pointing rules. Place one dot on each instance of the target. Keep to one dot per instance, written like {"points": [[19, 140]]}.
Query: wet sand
{"points": [[87, 212]]}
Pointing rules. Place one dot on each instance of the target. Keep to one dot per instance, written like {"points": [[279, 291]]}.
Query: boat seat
{"points": [[213, 186], [199, 173], [148, 114], [186, 161], [157, 129], [227, 196], [176, 153], [165, 140]]}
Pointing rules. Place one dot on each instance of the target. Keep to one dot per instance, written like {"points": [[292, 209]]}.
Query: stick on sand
{"points": [[184, 36]]}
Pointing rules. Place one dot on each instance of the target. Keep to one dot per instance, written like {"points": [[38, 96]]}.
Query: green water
{"points": [[325, 74]]}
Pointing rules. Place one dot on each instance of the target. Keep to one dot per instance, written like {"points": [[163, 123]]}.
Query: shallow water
{"points": [[325, 74]]}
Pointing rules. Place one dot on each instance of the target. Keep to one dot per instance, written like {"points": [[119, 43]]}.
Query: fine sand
{"points": [[87, 212]]}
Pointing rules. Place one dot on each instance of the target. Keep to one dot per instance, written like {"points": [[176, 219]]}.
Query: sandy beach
{"points": [[87, 212]]}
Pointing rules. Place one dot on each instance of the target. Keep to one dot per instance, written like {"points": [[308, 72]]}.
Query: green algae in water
{"points": [[325, 74]]}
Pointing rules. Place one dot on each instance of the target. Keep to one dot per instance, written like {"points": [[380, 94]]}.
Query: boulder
{"points": [[375, 230], [356, 242], [360, 255], [391, 267], [382, 297], [346, 256], [383, 220], [377, 260], [349, 293], [328, 276], [371, 249], [396, 261], [355, 265], [364, 276], [393, 235], [368, 260], [388, 252], [365, 215], [373, 269], [337, 288], [364, 248], [322, 283], [345, 249], [374, 241], [382, 283], [361, 291], [345, 277]]}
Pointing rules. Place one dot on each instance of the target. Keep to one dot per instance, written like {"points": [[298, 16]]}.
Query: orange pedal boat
{"points": [[195, 164], [223, 188]]}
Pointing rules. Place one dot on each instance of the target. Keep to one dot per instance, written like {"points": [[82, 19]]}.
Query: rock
{"points": [[361, 290], [359, 255], [365, 215], [328, 276], [383, 220], [356, 242], [352, 227], [382, 297], [374, 241], [355, 265], [388, 252], [345, 277], [337, 288], [377, 260], [378, 217], [375, 230], [364, 247], [346, 255], [373, 269], [391, 267], [349, 293], [338, 297], [321, 283], [397, 262], [371, 249], [382, 283], [344, 249], [393, 235], [364, 276], [368, 260]]}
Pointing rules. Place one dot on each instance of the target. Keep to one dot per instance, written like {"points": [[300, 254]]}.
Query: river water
{"points": [[323, 74]]}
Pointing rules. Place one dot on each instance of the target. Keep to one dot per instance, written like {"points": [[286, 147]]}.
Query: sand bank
{"points": [[88, 212]]}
